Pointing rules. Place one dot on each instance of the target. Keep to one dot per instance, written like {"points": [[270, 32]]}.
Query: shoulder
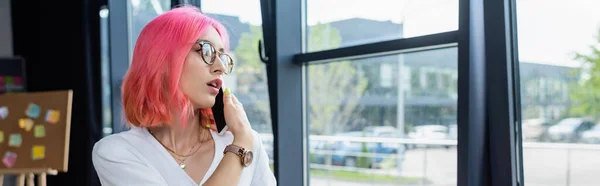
{"points": [[116, 145]]}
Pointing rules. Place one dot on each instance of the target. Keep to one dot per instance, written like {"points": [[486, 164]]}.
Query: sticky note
{"points": [[39, 131], [3, 112], [8, 80], [52, 116], [38, 152], [15, 140], [17, 81], [1, 136], [26, 123], [33, 110], [9, 159]]}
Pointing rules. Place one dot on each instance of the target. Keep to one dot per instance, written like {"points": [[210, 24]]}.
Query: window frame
{"points": [[489, 142], [120, 55], [486, 40]]}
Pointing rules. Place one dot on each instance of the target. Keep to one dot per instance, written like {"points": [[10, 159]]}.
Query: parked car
{"points": [[429, 132], [533, 129], [345, 152], [592, 135], [569, 129], [453, 132]]}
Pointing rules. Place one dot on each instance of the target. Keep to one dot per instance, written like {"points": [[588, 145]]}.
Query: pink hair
{"points": [[151, 89]]}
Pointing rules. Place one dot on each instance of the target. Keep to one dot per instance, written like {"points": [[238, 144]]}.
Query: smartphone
{"points": [[218, 113]]}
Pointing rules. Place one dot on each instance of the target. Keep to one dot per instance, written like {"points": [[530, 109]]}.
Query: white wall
{"points": [[6, 42]]}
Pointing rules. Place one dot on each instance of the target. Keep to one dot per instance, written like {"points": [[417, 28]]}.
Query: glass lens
{"points": [[227, 61], [208, 53]]}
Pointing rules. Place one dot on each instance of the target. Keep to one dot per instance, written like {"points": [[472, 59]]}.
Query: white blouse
{"points": [[134, 157]]}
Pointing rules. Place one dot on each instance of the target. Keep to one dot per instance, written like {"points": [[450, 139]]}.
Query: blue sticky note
{"points": [[3, 112], [15, 140], [33, 110]]}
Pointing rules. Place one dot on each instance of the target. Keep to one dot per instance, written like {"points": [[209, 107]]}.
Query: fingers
{"points": [[235, 100], [227, 97]]}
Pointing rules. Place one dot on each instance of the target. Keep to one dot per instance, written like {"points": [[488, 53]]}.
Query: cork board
{"points": [[35, 131]]}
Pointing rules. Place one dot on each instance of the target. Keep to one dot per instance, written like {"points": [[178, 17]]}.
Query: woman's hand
{"points": [[237, 121]]}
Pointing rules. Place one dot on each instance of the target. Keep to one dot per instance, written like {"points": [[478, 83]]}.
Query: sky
{"points": [[549, 31]]}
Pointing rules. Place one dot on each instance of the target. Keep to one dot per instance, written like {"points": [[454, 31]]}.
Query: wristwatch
{"points": [[244, 154]]}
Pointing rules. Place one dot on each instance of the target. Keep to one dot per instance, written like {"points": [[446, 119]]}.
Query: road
{"points": [[542, 167]]}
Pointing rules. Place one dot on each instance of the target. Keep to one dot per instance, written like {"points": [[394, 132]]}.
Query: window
{"points": [[560, 99], [377, 20], [365, 138], [385, 76], [142, 12], [249, 79], [105, 72]]}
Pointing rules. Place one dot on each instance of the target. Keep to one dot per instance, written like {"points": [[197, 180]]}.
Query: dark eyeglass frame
{"points": [[215, 53]]}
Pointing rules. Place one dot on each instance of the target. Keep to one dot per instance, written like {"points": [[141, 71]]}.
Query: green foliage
{"points": [[585, 94], [250, 71], [246, 52], [335, 88], [363, 161]]}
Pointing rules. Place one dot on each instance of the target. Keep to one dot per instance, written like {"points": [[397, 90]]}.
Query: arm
{"points": [[230, 169], [116, 165], [263, 176]]}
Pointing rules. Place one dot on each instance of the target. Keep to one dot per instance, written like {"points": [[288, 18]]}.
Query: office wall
{"points": [[6, 43]]}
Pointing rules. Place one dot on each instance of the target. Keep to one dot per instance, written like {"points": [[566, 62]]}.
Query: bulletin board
{"points": [[35, 131]]}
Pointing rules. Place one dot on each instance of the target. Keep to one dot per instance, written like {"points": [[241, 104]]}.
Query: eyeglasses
{"points": [[210, 54]]}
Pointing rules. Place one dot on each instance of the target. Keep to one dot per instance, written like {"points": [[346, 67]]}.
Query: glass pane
{"points": [[105, 71], [387, 120], [142, 12], [249, 78], [355, 22], [560, 93]]}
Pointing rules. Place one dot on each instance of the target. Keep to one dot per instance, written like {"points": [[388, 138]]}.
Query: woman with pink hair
{"points": [[178, 64]]}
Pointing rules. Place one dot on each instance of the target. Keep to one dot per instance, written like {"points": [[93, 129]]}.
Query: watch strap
{"points": [[240, 152], [234, 149]]}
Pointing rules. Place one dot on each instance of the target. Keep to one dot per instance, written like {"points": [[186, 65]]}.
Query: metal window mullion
{"points": [[487, 145], [516, 92], [500, 90], [473, 163], [119, 56], [282, 32], [389, 47]]}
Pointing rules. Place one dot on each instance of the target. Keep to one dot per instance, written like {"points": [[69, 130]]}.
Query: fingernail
{"points": [[227, 92]]}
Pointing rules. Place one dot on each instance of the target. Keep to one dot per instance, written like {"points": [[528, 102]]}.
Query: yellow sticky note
{"points": [[52, 116], [1, 136], [39, 131], [38, 152], [26, 123]]}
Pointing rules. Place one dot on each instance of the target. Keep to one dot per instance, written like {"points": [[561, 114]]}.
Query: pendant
{"points": [[182, 165]]}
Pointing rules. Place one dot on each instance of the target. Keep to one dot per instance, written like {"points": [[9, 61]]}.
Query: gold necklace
{"points": [[183, 162]]}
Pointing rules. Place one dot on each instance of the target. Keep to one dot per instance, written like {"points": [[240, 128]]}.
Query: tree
{"points": [[334, 89], [585, 94], [251, 73]]}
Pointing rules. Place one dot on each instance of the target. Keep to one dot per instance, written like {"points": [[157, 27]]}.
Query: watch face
{"points": [[248, 156]]}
